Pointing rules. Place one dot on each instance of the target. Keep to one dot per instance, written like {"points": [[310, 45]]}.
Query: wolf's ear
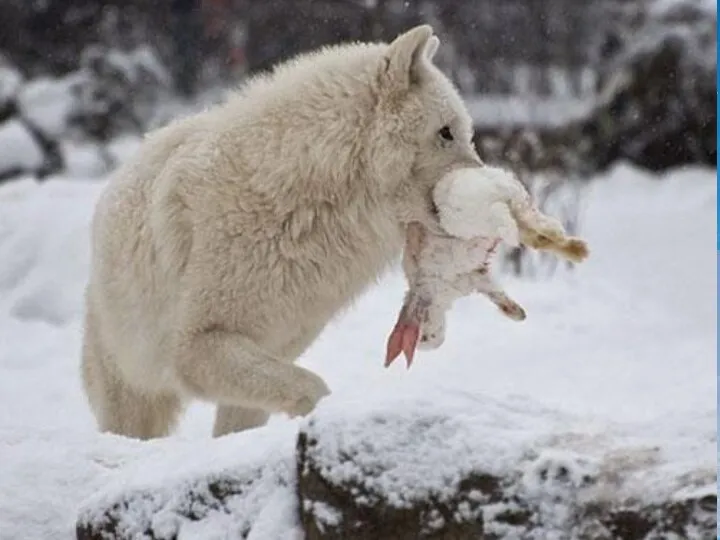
{"points": [[432, 47], [408, 55]]}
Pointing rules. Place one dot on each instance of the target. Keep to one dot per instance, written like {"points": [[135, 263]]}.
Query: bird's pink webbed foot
{"points": [[403, 338], [406, 333]]}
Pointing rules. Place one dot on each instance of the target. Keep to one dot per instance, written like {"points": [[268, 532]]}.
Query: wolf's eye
{"points": [[446, 134]]}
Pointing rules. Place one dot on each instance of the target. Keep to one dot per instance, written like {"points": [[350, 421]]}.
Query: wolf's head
{"points": [[421, 129]]}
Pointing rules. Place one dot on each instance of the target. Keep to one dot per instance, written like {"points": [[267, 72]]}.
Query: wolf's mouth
{"points": [[434, 210]]}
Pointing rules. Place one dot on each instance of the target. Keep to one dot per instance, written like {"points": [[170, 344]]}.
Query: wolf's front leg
{"points": [[229, 369]]}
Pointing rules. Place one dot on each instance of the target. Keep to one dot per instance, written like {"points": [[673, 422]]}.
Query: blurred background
{"points": [[558, 89]]}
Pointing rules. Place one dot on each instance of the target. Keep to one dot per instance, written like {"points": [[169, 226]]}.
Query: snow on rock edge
{"points": [[412, 468], [239, 486]]}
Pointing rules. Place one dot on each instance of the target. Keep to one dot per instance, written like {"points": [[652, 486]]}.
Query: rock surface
{"points": [[494, 508], [496, 471]]}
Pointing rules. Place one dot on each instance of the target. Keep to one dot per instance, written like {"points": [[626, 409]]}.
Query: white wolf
{"points": [[221, 251]]}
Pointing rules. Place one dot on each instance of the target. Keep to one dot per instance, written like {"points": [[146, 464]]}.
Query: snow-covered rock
{"points": [[465, 467], [240, 486], [411, 465]]}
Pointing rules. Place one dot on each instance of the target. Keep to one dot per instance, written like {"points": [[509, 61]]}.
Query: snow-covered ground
{"points": [[629, 338]]}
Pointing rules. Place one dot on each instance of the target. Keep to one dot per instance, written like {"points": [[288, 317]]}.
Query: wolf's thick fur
{"points": [[223, 249]]}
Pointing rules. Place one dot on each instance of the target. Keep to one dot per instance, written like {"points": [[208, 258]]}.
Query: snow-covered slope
{"points": [[628, 338]]}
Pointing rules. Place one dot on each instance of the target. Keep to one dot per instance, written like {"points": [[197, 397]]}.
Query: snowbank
{"points": [[45, 472], [44, 238]]}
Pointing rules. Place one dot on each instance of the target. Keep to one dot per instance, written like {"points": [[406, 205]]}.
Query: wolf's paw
{"points": [[310, 389]]}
